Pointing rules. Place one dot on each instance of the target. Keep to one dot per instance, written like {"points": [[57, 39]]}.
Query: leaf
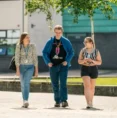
{"points": [[74, 7]]}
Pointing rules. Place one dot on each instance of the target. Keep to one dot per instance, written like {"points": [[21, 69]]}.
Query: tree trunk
{"points": [[92, 30]]}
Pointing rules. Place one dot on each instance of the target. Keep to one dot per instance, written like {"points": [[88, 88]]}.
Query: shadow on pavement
{"points": [[59, 108], [20, 108], [93, 109]]}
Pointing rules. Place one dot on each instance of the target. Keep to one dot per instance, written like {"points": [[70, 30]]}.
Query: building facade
{"points": [[40, 32], [13, 23], [105, 36]]}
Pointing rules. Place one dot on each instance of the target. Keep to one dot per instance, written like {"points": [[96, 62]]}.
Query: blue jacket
{"points": [[67, 46]]}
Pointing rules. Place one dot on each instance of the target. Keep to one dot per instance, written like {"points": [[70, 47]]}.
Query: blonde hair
{"points": [[90, 40], [58, 27]]}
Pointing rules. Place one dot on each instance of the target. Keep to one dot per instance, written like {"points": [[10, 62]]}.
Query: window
{"points": [[8, 40], [13, 34], [9, 37], [3, 34]]}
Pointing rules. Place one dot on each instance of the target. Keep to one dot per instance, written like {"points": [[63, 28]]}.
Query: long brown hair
{"points": [[22, 37], [90, 40]]}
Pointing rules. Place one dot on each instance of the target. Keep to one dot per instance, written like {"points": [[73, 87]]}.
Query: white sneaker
{"points": [[25, 104], [89, 106]]}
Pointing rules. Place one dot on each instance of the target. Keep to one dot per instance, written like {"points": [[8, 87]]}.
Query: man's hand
{"points": [[64, 63], [50, 65]]}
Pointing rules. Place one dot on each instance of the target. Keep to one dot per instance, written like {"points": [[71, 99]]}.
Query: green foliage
{"points": [[83, 7], [75, 7], [100, 81], [113, 1], [40, 6]]}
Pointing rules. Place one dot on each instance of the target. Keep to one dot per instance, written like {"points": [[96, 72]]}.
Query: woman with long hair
{"points": [[26, 65], [89, 58]]}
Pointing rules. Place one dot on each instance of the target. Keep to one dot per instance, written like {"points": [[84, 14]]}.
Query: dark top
{"points": [[67, 46], [57, 55]]}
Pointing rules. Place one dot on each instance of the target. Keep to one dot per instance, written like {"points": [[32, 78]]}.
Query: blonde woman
{"points": [[89, 58], [26, 65]]}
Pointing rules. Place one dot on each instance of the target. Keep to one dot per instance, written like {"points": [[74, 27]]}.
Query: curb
{"points": [[14, 85]]}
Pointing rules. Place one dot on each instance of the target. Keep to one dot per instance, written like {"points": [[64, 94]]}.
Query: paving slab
{"points": [[41, 106]]}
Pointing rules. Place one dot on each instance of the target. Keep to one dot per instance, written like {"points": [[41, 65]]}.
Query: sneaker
{"points": [[57, 104], [25, 105], [65, 104], [89, 106]]}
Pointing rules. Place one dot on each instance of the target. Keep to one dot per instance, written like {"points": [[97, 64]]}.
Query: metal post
{"points": [[22, 15]]}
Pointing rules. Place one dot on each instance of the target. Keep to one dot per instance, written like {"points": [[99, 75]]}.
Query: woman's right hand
{"points": [[18, 73], [85, 61]]}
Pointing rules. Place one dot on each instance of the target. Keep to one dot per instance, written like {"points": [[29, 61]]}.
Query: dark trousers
{"points": [[58, 76]]}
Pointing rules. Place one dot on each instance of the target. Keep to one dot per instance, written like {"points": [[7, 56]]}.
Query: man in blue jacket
{"points": [[57, 54]]}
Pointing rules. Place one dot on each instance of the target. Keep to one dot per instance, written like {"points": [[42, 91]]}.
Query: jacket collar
{"points": [[61, 39]]}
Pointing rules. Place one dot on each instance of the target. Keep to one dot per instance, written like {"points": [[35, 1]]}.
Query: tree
{"points": [[75, 8], [88, 7], [38, 6]]}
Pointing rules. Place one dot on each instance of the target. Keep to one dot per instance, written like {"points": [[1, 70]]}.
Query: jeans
{"points": [[26, 73], [58, 75]]}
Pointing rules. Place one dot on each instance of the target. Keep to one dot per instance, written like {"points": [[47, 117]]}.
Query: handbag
{"points": [[12, 65]]}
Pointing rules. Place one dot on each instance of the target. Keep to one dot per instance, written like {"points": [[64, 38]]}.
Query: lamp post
{"points": [[22, 15]]}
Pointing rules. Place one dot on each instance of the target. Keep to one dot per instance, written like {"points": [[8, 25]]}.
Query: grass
{"points": [[99, 81]]}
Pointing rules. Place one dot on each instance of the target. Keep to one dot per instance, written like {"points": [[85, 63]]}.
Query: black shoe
{"points": [[57, 104], [65, 104]]}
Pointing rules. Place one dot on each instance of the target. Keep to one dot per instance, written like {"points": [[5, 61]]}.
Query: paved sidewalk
{"points": [[72, 73], [41, 106]]}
